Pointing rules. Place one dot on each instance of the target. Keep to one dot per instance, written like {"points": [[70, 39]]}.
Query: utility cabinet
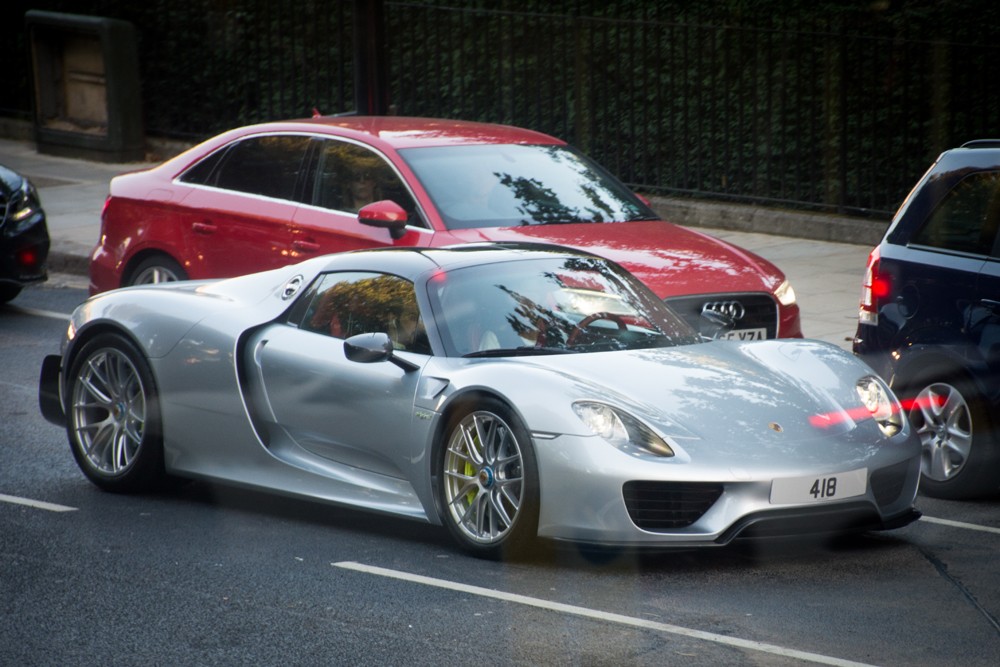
{"points": [[87, 100]]}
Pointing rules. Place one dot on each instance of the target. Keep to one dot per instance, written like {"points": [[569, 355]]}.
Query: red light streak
{"points": [[826, 420]]}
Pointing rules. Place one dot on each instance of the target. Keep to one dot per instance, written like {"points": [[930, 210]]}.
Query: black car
{"points": [[24, 236], [930, 318]]}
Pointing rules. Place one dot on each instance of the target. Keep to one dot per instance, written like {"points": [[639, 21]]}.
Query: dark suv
{"points": [[930, 318]]}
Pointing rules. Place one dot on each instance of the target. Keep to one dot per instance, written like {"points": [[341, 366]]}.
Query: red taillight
{"points": [[27, 259], [875, 287]]}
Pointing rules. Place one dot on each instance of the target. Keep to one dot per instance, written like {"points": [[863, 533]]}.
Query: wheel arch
{"points": [[141, 256], [80, 341], [955, 366]]}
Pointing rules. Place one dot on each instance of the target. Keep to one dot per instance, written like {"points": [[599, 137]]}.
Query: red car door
{"points": [[239, 219], [346, 177]]}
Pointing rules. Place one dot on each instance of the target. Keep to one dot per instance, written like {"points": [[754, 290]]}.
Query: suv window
{"points": [[966, 220], [269, 166], [346, 304]]}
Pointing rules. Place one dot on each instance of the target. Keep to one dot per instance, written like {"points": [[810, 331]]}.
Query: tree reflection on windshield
{"points": [[550, 306], [513, 185]]}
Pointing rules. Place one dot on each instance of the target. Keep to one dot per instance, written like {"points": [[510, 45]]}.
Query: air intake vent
{"points": [[660, 506]]}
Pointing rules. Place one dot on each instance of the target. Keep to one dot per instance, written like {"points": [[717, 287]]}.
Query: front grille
{"points": [[759, 310], [666, 505], [888, 483]]}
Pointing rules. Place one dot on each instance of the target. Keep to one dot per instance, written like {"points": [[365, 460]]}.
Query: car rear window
{"points": [[967, 218], [269, 166]]}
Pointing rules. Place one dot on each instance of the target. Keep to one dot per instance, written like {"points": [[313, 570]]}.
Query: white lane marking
{"points": [[41, 313], [37, 504], [961, 524], [601, 615]]}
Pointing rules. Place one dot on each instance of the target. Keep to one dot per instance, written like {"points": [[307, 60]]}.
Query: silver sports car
{"points": [[506, 391]]}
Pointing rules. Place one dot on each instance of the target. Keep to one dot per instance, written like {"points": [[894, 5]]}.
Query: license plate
{"points": [[819, 488], [744, 334]]}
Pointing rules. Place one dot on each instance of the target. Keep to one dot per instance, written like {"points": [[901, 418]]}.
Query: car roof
{"points": [[401, 132], [982, 143], [412, 261]]}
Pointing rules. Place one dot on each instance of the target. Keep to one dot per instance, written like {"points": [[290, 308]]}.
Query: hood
{"points": [[670, 259], [753, 402]]}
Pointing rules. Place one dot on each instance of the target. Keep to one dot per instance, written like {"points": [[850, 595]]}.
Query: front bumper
{"points": [[582, 499]]}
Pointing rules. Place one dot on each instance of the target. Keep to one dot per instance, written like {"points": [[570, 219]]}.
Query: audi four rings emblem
{"points": [[732, 309]]}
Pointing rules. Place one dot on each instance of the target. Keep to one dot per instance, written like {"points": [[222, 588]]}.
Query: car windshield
{"points": [[507, 185], [550, 306]]}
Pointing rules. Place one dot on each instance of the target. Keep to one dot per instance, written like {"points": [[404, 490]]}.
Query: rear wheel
{"points": [[960, 452], [156, 269], [487, 481], [114, 417]]}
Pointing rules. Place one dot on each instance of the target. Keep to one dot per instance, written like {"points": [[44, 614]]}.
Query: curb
{"points": [[74, 261]]}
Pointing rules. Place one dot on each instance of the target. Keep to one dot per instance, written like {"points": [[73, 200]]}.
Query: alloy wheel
{"points": [[108, 411], [942, 419], [483, 478]]}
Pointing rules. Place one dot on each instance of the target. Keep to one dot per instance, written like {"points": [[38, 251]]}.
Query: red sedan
{"points": [[267, 195]]}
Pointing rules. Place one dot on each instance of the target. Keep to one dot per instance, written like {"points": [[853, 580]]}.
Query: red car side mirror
{"points": [[386, 214]]}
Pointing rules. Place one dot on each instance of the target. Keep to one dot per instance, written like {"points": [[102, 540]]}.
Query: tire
{"points": [[8, 291], [156, 269], [113, 416], [487, 482], [960, 453]]}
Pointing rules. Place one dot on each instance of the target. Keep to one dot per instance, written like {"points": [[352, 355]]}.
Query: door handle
{"points": [[991, 304], [305, 246], [205, 228]]}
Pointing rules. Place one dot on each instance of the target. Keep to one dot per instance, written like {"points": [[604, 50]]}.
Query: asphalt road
{"points": [[203, 575]]}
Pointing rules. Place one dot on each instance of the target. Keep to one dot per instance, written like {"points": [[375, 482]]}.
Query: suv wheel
{"points": [[959, 446]]}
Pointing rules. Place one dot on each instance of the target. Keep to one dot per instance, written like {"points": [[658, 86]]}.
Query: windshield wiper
{"points": [[523, 351]]}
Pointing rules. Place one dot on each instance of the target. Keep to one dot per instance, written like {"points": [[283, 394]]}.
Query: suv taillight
{"points": [[875, 287]]}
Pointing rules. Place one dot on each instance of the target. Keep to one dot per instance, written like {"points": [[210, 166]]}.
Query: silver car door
{"points": [[355, 414]]}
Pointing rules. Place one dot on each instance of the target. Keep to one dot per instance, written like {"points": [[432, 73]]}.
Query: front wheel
{"points": [[114, 417], [487, 481]]}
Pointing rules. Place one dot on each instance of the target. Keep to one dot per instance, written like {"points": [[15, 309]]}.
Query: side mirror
{"points": [[385, 214], [369, 348]]}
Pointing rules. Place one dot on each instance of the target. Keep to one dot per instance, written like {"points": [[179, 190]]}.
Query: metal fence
{"points": [[788, 105]]}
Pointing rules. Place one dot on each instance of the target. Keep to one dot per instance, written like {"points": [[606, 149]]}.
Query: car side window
{"points": [[967, 218], [349, 177], [269, 166], [350, 303]]}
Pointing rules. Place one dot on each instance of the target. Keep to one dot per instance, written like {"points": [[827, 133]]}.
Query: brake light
{"points": [[875, 287], [27, 259]]}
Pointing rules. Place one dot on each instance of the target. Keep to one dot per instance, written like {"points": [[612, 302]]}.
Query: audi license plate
{"points": [[819, 488], [744, 334]]}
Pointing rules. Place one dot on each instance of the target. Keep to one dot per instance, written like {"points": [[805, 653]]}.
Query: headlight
{"points": [[619, 428], [785, 294], [881, 404]]}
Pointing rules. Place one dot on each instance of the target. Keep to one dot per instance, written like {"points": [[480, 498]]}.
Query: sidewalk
{"points": [[72, 192], [826, 274]]}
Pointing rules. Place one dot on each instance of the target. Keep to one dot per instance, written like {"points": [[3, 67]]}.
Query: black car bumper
{"points": [[24, 251]]}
